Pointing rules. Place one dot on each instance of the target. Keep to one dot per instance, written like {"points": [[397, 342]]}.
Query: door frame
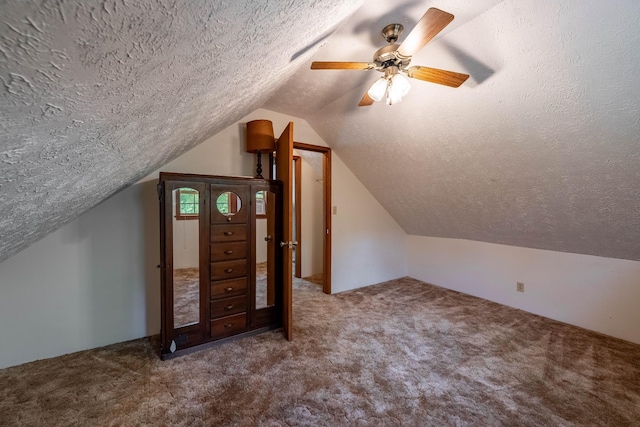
{"points": [[297, 182], [326, 211]]}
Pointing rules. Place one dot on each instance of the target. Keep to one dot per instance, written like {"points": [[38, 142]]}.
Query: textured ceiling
{"points": [[540, 148], [95, 95]]}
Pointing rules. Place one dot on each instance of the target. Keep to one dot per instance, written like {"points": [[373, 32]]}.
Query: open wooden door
{"points": [[284, 162]]}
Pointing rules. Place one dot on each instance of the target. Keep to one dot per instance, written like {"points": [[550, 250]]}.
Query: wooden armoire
{"points": [[220, 270]]}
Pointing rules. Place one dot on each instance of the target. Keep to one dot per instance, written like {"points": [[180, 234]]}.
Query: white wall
{"points": [[600, 294], [91, 283], [95, 281], [312, 212], [368, 245]]}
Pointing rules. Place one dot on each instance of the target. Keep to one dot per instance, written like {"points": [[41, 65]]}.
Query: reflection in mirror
{"points": [[186, 257], [228, 203], [265, 249]]}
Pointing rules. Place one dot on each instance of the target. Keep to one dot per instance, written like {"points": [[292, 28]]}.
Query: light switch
{"points": [[335, 210]]}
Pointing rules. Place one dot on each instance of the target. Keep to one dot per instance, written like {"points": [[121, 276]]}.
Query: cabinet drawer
{"points": [[228, 269], [228, 233], [228, 288], [228, 306], [228, 251], [227, 326]]}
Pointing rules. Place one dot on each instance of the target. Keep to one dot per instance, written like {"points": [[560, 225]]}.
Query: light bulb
{"points": [[378, 89], [399, 85]]}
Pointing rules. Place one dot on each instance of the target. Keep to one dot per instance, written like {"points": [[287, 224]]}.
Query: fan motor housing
{"points": [[387, 57]]}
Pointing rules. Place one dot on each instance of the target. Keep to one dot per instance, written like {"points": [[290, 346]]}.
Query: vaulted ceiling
{"points": [[97, 94], [539, 148]]}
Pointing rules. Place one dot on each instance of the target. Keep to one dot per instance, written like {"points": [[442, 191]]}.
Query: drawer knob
{"points": [[228, 325], [228, 270], [228, 233], [228, 252], [229, 289], [228, 307]]}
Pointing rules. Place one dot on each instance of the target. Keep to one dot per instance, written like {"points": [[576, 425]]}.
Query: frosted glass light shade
{"points": [[399, 86], [393, 98], [378, 89]]}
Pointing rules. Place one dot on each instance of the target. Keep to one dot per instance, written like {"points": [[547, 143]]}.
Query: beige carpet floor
{"points": [[261, 285], [400, 353], [316, 278], [186, 296]]}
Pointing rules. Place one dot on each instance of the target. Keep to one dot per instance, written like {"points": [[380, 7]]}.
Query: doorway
{"points": [[319, 158], [302, 149]]}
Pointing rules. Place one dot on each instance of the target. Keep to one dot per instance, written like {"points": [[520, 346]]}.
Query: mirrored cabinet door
{"points": [[266, 295], [265, 249], [184, 267], [185, 202]]}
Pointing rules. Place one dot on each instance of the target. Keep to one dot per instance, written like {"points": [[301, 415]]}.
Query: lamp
{"points": [[260, 138]]}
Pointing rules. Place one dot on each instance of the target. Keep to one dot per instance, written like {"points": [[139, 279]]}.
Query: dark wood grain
{"points": [[224, 233], [284, 160], [228, 288], [228, 306], [228, 251], [228, 269], [227, 326]]}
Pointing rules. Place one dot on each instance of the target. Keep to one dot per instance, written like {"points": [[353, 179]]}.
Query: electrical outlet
{"points": [[520, 286]]}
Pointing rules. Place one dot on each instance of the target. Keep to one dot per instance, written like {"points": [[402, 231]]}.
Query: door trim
{"points": [[297, 180]]}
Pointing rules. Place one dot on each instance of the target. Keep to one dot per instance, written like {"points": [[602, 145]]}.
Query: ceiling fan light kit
{"points": [[393, 85], [398, 87], [394, 59]]}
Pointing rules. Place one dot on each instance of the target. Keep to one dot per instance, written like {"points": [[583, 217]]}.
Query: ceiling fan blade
{"points": [[427, 28], [366, 100], [322, 65], [434, 75]]}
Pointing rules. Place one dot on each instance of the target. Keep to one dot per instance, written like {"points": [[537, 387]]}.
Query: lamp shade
{"points": [[378, 89], [400, 85], [260, 136]]}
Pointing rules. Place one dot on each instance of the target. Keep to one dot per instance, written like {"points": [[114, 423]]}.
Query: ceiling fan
{"points": [[393, 60]]}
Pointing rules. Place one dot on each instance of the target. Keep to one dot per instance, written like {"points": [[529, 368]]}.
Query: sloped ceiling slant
{"points": [[544, 153], [95, 95]]}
